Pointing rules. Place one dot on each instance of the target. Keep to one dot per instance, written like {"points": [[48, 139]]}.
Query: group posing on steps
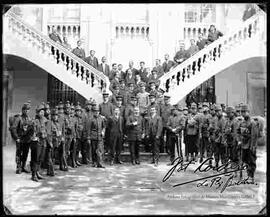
{"points": [[70, 136]]}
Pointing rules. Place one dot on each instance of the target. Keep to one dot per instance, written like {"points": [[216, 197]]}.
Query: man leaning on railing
{"points": [[55, 36]]}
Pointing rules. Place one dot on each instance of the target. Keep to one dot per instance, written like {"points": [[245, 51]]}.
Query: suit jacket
{"points": [[93, 128], [134, 132], [115, 126], [167, 66], [159, 70], [79, 52], [143, 74], [106, 71], [154, 128], [92, 61], [106, 109]]}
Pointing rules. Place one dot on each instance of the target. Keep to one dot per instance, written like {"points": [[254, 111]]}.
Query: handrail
{"points": [[58, 46], [214, 44]]}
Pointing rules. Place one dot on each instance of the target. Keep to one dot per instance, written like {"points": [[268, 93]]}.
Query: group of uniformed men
{"points": [[61, 134]]}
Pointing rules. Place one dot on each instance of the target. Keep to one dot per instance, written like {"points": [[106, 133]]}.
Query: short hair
{"points": [[120, 64], [79, 41], [142, 62], [114, 64]]}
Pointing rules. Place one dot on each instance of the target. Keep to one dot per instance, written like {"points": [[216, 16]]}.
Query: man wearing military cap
{"points": [[39, 143], [175, 124], [79, 135], [119, 104], [130, 106], [152, 100], [248, 135], [123, 91], [21, 129], [152, 87], [69, 133], [165, 110], [219, 142], [94, 130], [116, 92], [185, 116], [58, 134], [192, 130], [130, 91], [106, 110]]}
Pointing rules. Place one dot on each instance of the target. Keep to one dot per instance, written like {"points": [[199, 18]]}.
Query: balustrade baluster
{"points": [[92, 79], [167, 85], [194, 67], [68, 66], [87, 74], [199, 64], [178, 77], [82, 73], [183, 75]]}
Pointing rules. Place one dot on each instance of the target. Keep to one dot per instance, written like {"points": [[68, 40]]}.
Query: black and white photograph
{"points": [[134, 108]]}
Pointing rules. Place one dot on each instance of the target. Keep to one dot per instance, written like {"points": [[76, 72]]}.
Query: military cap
{"points": [[229, 109], [167, 96], [218, 108], [95, 108], [193, 105], [94, 102], [54, 112], [142, 84], [185, 108], [205, 109], [173, 107], [154, 70], [88, 102], [26, 106], [40, 107], [78, 107], [212, 107], [237, 108], [205, 104], [130, 83], [222, 104], [151, 82], [72, 107], [244, 107], [105, 93], [60, 105], [56, 107], [152, 95], [132, 97], [121, 80], [67, 105], [119, 97]]}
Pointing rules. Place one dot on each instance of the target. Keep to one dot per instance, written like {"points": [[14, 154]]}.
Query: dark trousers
{"points": [[62, 155], [172, 142], [155, 147], [86, 151], [97, 151], [191, 144], [115, 147], [22, 150], [79, 147], [73, 149], [107, 140], [68, 141], [220, 152], [48, 158], [147, 147], [37, 154], [204, 146], [134, 148], [249, 157], [164, 144]]}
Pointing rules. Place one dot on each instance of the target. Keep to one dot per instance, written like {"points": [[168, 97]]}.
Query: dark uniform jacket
{"points": [[106, 109], [219, 130], [230, 131], [22, 128], [93, 61], [115, 126], [181, 54], [41, 129], [248, 133], [57, 130], [79, 126], [94, 127], [154, 126], [79, 52], [159, 70], [176, 122], [165, 111], [69, 127], [106, 70], [192, 125], [167, 65], [134, 132], [205, 123]]}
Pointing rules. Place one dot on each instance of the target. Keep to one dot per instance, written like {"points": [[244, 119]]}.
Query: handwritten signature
{"points": [[223, 170]]}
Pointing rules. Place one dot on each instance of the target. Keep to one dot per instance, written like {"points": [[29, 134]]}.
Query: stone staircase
{"points": [[241, 43], [22, 40]]}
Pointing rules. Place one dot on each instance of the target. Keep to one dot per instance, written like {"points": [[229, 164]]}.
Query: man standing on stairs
{"points": [[168, 64], [78, 51], [106, 110], [22, 131], [201, 43], [92, 60], [181, 55], [135, 133], [158, 68], [104, 67], [115, 126], [213, 34], [165, 111], [55, 36], [154, 130]]}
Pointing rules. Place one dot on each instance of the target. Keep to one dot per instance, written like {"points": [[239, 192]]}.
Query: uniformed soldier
{"points": [[130, 91], [143, 98], [135, 133], [219, 146], [119, 104], [69, 134], [154, 130], [129, 109], [86, 146], [112, 98], [22, 131], [152, 88], [185, 115], [116, 132], [152, 99], [40, 141], [248, 132], [192, 127], [211, 130], [61, 110], [58, 138], [106, 110], [165, 111], [175, 125], [205, 144], [123, 91], [95, 131], [72, 110], [79, 133]]}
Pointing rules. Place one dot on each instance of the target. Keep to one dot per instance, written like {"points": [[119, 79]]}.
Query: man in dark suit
{"points": [[142, 71], [130, 66], [92, 60], [168, 64], [122, 73], [181, 55], [103, 67], [55, 36], [158, 68], [113, 71], [115, 127], [201, 43], [78, 51]]}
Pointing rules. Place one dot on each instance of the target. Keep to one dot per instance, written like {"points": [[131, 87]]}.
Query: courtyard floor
{"points": [[127, 189]]}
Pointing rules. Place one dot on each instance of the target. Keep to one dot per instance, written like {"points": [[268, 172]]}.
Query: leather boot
{"points": [[39, 176], [133, 162], [24, 170], [34, 177]]}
